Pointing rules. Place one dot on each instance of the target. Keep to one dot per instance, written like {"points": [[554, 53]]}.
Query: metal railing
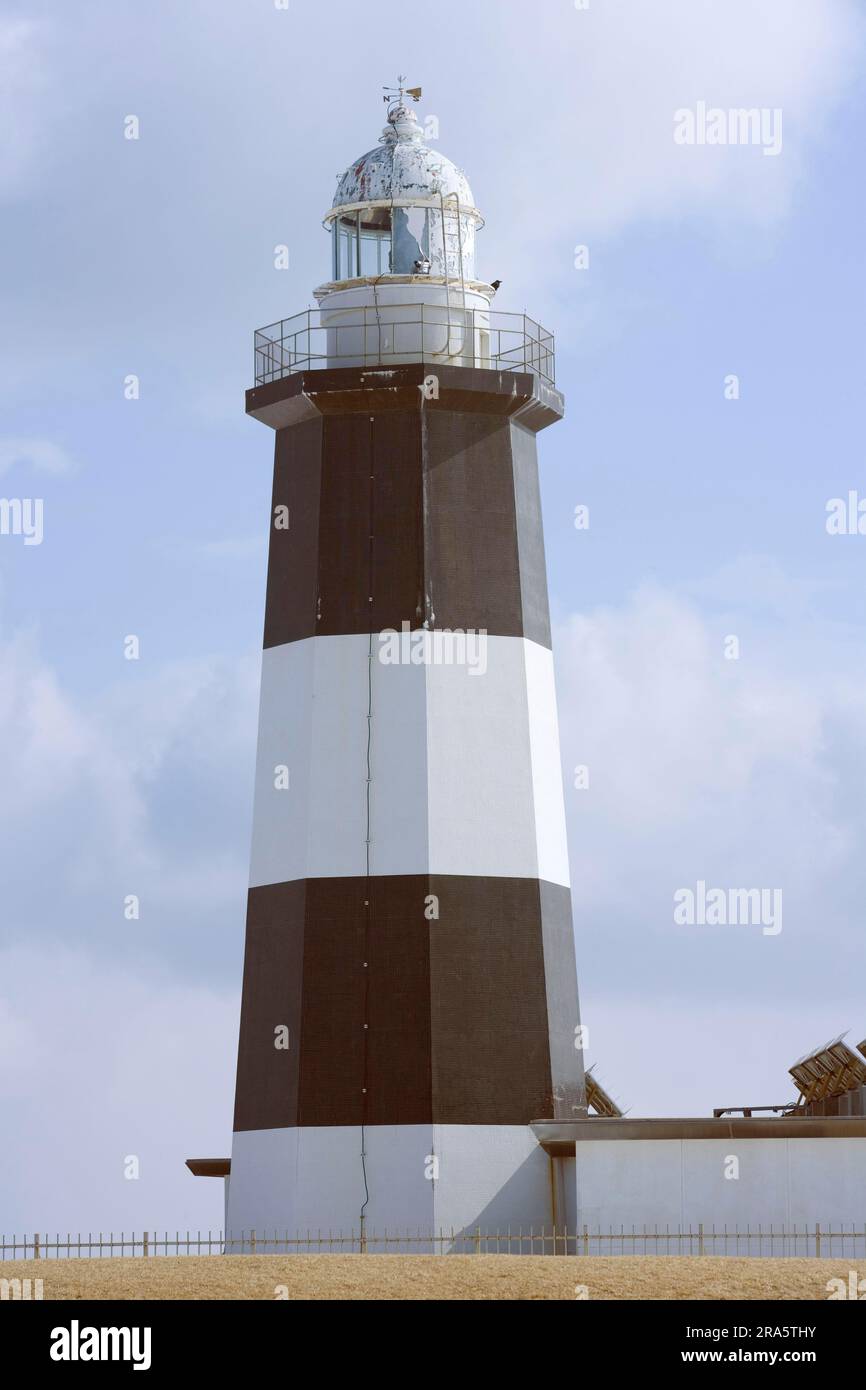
{"points": [[837, 1240], [389, 334]]}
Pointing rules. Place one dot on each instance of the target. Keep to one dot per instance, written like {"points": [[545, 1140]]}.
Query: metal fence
{"points": [[390, 334], [837, 1240]]}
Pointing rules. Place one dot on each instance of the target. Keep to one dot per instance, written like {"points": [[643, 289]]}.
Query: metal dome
{"points": [[402, 167]]}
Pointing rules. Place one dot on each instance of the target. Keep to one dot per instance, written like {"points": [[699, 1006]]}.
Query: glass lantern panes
{"points": [[362, 244]]}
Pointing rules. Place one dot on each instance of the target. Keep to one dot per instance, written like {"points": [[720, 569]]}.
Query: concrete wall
{"points": [[679, 1183], [309, 1179]]}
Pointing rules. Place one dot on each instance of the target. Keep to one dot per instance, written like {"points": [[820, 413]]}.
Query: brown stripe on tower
{"points": [[463, 1017], [458, 540], [267, 1077]]}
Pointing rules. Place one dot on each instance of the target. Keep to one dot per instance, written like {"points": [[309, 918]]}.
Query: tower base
{"points": [[423, 1180]]}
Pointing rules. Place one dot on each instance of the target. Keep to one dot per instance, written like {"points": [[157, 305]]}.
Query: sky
{"points": [[739, 764]]}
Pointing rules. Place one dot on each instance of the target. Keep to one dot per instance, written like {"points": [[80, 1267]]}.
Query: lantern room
{"points": [[403, 285], [403, 209]]}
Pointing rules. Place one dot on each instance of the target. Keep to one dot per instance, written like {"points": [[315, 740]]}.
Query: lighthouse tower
{"points": [[409, 993]]}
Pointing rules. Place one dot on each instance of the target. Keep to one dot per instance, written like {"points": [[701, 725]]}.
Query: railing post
{"points": [[36, 1247], [817, 1240], [252, 1242], [700, 1237], [144, 1245]]}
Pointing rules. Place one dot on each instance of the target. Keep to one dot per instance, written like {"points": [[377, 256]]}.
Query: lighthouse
{"points": [[409, 1003]]}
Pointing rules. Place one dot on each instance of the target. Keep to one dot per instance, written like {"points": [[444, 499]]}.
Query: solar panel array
{"points": [[830, 1070], [598, 1099]]}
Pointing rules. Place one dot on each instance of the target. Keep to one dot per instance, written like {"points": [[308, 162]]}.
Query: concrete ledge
{"points": [[559, 1137], [343, 390], [209, 1167]]}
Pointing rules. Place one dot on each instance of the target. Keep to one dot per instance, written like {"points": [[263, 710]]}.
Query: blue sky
{"points": [[707, 518]]}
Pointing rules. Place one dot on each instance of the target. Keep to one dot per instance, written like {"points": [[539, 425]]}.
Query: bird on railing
{"points": [[494, 284]]}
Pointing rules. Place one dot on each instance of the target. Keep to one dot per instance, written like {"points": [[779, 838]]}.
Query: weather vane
{"points": [[393, 96]]}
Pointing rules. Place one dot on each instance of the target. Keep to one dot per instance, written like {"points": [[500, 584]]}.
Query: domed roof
{"points": [[401, 166]]}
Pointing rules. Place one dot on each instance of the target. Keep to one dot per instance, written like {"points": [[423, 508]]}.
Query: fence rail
{"points": [[813, 1240], [390, 334]]}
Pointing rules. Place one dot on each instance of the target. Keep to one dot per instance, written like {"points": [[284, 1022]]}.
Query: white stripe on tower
{"points": [[466, 764]]}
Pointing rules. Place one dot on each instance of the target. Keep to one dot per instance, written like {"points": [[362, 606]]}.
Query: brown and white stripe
{"points": [[409, 917]]}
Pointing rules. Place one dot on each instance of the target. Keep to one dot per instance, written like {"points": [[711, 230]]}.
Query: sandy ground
{"points": [[430, 1277]]}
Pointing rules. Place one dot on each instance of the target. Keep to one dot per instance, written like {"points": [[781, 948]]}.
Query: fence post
{"points": [[700, 1237], [144, 1245], [252, 1242], [586, 1240], [36, 1247], [817, 1240], [478, 1241]]}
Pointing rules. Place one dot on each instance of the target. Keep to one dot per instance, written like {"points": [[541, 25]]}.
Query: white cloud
{"points": [[667, 719], [144, 790], [53, 752], [119, 1037], [42, 455], [741, 773], [615, 75], [587, 127]]}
